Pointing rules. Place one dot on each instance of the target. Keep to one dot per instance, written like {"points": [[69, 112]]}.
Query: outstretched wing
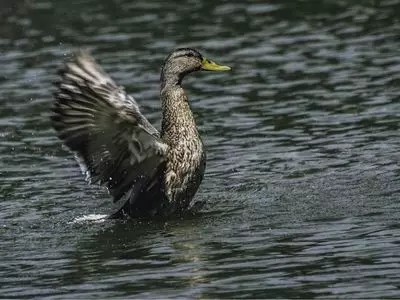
{"points": [[114, 143]]}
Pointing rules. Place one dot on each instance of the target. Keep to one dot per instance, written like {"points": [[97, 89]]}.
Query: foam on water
{"points": [[97, 218]]}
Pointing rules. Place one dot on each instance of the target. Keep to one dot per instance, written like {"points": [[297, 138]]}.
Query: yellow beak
{"points": [[209, 65]]}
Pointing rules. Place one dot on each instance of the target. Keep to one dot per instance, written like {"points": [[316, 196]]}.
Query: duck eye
{"points": [[190, 54]]}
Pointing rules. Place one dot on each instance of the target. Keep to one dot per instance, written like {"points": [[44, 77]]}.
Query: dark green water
{"points": [[303, 145]]}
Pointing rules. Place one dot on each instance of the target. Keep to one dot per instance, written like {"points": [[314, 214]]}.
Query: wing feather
{"points": [[113, 142]]}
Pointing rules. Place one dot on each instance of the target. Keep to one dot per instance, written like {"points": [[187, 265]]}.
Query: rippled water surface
{"points": [[302, 182]]}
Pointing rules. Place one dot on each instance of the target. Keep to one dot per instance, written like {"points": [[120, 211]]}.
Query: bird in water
{"points": [[147, 172]]}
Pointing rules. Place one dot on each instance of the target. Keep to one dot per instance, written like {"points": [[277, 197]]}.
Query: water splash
{"points": [[97, 218]]}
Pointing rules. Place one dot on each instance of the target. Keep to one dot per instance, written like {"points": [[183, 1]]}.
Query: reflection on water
{"points": [[302, 180]]}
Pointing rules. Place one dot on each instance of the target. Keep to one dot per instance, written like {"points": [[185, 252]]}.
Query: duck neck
{"points": [[177, 115]]}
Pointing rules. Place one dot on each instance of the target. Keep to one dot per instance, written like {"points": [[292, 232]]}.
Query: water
{"points": [[303, 144]]}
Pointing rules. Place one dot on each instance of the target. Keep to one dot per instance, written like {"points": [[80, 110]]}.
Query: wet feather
{"points": [[146, 172]]}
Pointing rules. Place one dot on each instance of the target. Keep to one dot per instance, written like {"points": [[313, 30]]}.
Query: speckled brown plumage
{"points": [[147, 172], [186, 157]]}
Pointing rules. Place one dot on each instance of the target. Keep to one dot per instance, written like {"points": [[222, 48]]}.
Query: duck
{"points": [[147, 172]]}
